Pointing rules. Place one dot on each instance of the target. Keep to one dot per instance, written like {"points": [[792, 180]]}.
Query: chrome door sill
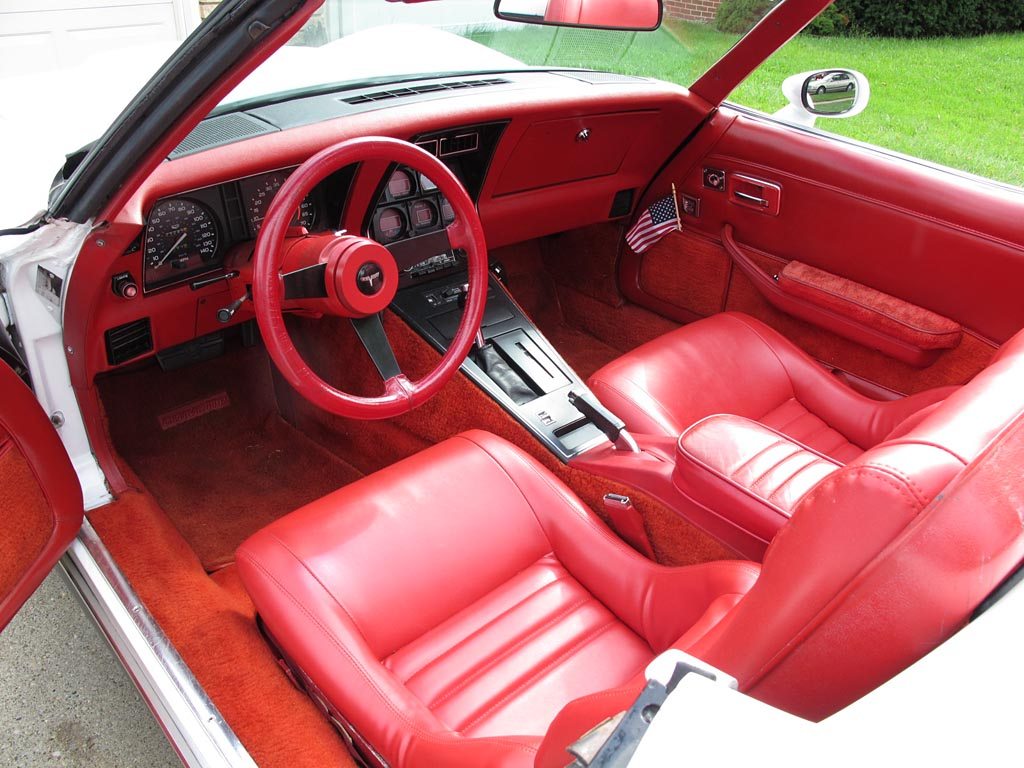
{"points": [[193, 725]]}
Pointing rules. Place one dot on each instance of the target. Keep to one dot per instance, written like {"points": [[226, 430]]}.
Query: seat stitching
{"points": [[575, 508], [774, 466], [332, 638], [763, 451], [763, 340], [582, 643], [316, 578], [495, 660], [666, 418], [822, 426], [789, 479], [792, 421], [472, 634]]}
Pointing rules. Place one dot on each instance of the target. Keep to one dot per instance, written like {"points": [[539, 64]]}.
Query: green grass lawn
{"points": [[958, 102]]}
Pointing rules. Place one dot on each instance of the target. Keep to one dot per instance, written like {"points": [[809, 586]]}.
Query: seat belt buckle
{"points": [[612, 743], [628, 523]]}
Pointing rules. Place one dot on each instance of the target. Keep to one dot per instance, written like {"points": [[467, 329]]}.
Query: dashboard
{"points": [[538, 152]]}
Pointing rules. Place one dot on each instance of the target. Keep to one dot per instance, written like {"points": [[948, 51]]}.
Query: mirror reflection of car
{"points": [[834, 81], [836, 93], [638, 15]]}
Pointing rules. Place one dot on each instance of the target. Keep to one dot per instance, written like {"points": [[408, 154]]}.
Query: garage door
{"points": [[44, 35]]}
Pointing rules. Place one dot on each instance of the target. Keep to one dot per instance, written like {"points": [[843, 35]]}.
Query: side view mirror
{"points": [[631, 15], [824, 93]]}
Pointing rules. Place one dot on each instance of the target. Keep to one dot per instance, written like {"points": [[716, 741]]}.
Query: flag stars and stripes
{"points": [[654, 223]]}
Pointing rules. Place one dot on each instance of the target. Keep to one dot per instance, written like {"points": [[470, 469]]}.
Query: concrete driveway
{"points": [[65, 700]]}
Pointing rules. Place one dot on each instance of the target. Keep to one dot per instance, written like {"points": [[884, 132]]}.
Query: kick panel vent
{"points": [[417, 90], [128, 341], [224, 129]]}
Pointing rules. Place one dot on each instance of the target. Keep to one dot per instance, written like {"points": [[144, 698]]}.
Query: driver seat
{"points": [[443, 610]]}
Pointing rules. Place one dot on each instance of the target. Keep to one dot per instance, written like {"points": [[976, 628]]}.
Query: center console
{"points": [[515, 364]]}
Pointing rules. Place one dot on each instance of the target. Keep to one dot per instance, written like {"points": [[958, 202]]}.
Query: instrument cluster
{"points": [[188, 235]]}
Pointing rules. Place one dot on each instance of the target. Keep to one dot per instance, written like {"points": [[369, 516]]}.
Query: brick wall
{"points": [[691, 10]]}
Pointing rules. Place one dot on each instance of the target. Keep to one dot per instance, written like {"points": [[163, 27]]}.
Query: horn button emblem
{"points": [[370, 278]]}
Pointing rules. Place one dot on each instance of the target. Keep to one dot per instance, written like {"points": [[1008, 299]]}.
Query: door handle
{"points": [[750, 192], [751, 198]]}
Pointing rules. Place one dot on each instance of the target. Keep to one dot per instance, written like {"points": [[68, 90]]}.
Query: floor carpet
{"points": [[233, 466]]}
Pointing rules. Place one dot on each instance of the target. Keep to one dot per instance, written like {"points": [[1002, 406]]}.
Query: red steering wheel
{"points": [[355, 277]]}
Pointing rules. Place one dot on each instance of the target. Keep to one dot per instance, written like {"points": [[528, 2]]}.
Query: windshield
{"points": [[361, 41]]}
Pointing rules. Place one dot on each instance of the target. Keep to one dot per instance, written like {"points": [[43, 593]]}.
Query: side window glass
{"points": [[943, 82]]}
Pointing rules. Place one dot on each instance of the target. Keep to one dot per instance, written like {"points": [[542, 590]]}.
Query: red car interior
{"points": [[823, 391], [39, 494], [463, 655]]}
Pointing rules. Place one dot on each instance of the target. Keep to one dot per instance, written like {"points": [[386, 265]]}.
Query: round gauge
{"points": [[400, 184], [259, 199], [447, 212], [426, 184], [180, 234], [390, 224], [424, 214]]}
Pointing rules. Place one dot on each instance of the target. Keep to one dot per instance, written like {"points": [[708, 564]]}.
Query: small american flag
{"points": [[654, 223]]}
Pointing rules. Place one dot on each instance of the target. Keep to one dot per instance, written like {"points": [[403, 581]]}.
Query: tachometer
{"points": [[258, 202], [180, 234]]}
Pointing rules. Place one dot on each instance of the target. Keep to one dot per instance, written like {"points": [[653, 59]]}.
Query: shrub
{"points": [[831, 21], [738, 16], [932, 18]]}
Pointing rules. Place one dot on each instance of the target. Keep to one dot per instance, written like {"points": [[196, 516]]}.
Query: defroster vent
{"points": [[418, 90], [128, 341]]}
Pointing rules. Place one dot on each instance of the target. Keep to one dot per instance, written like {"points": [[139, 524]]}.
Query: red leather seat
{"points": [[887, 556], [732, 363], [884, 559], [446, 608]]}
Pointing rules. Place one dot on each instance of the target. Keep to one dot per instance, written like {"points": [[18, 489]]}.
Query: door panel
{"points": [[40, 498], [940, 241]]}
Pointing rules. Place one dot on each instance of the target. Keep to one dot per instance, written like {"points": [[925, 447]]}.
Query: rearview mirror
{"points": [[633, 15], [824, 93]]}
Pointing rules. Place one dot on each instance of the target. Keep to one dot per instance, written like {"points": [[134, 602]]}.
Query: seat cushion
{"points": [[448, 606], [732, 363], [741, 468]]}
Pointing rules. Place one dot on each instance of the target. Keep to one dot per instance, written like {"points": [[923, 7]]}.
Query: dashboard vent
{"points": [[458, 144], [128, 341], [215, 131], [416, 90]]}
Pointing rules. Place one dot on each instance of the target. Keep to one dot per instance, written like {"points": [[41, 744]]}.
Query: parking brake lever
{"points": [[613, 427]]}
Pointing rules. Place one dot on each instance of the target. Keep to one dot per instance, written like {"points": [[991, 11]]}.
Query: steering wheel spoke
{"points": [[409, 253], [305, 283], [370, 331]]}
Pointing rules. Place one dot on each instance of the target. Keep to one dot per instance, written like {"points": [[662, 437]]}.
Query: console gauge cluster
{"points": [[409, 205]]}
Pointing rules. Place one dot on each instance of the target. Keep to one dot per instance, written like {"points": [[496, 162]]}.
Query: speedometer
{"points": [[180, 234], [262, 192]]}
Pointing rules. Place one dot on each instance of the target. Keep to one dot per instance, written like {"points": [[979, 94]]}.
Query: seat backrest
{"points": [[888, 556]]}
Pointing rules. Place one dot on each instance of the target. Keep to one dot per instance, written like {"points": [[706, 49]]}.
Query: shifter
{"points": [[613, 427]]}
